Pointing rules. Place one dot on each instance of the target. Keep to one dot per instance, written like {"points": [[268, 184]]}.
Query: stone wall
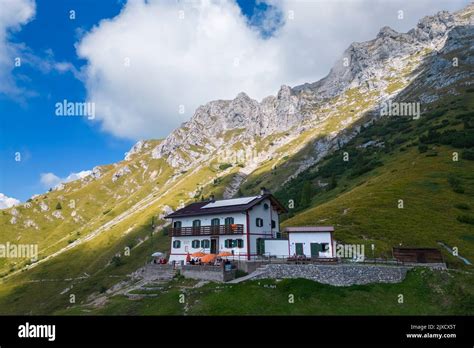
{"points": [[153, 271], [202, 272], [338, 275]]}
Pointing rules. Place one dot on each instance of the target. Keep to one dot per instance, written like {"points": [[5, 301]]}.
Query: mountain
{"points": [[232, 147]]}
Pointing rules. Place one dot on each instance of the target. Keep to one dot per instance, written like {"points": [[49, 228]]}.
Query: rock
{"points": [[121, 172], [43, 206]]}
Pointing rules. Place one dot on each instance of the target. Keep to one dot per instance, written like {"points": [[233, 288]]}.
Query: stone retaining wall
{"points": [[338, 275], [202, 272], [153, 271]]}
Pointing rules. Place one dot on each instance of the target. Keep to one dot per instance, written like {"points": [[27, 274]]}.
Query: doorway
{"points": [[315, 249], [299, 248], [214, 245]]}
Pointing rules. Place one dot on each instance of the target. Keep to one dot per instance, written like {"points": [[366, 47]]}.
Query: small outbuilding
{"points": [[417, 255], [311, 241], [307, 241]]}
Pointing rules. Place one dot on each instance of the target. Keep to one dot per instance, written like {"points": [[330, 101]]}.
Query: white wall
{"points": [[178, 254], [276, 247], [265, 231], [239, 218], [310, 237]]}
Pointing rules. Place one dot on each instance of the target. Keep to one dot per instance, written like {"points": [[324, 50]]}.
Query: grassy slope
{"points": [[364, 208], [425, 292]]}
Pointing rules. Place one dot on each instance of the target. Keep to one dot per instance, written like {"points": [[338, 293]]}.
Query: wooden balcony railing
{"points": [[207, 230]]}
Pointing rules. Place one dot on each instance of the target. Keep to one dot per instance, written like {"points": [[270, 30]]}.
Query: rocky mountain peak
{"points": [[363, 65], [387, 32]]}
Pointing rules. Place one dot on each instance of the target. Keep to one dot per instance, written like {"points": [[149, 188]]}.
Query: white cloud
{"points": [[214, 52], [49, 180], [13, 14], [7, 202]]}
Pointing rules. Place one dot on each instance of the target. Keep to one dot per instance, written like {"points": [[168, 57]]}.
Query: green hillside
{"points": [[415, 165], [424, 293]]}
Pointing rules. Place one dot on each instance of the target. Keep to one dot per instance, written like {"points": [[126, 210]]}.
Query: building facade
{"points": [[238, 226]]}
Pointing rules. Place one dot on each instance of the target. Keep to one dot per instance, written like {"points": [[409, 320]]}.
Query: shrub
{"points": [[468, 155], [422, 148], [117, 261], [58, 206], [466, 219], [462, 206], [224, 166], [455, 184]]}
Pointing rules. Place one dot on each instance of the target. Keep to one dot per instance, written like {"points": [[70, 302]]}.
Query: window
{"points": [[215, 222], [205, 243], [266, 206], [177, 224], [176, 244], [197, 223], [228, 243], [229, 220], [259, 222], [273, 224], [324, 247], [240, 243], [195, 243]]}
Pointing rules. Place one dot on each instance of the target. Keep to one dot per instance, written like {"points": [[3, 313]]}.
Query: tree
{"points": [[306, 194], [58, 206]]}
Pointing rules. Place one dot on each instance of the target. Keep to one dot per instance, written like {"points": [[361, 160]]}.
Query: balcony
{"points": [[207, 230]]}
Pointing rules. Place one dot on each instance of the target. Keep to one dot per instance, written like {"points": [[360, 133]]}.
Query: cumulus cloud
{"points": [[49, 180], [7, 202], [13, 14], [159, 57]]}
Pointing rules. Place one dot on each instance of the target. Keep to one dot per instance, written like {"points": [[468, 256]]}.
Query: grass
{"points": [[424, 292]]}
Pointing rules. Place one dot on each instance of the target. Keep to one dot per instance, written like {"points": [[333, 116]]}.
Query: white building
{"points": [[308, 241], [239, 226]]}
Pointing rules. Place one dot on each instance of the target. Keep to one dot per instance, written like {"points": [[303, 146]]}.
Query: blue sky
{"points": [[270, 50], [45, 142]]}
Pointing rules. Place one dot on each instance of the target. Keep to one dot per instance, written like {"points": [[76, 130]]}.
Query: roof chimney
{"points": [[263, 191], [211, 198]]}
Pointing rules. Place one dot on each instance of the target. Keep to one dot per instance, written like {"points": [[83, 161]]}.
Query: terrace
{"points": [[207, 230]]}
